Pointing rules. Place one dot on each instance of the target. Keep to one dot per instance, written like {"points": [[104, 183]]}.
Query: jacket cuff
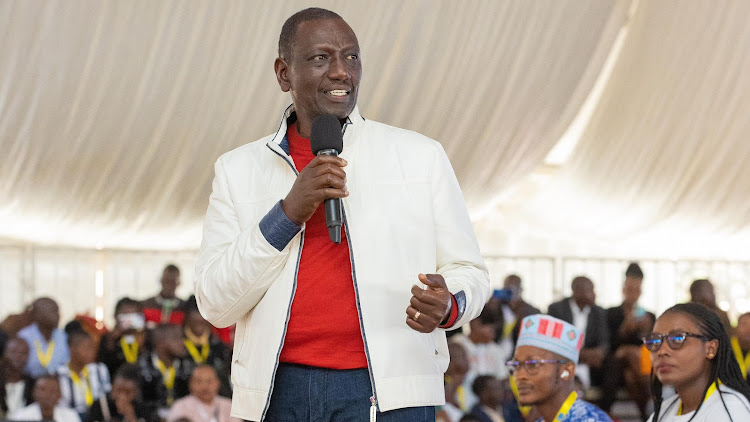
{"points": [[453, 315], [277, 228]]}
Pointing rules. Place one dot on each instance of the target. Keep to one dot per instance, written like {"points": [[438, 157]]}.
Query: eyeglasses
{"points": [[532, 366], [675, 340]]}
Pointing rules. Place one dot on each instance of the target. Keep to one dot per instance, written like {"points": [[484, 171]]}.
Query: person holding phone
{"points": [[627, 323], [126, 342]]}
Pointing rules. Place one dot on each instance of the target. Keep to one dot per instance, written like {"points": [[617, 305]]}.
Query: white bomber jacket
{"points": [[404, 215]]}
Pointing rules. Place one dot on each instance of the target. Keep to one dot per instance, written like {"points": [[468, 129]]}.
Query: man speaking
{"points": [[337, 331]]}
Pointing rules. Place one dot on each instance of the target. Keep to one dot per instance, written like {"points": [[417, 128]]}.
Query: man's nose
{"points": [[337, 70]]}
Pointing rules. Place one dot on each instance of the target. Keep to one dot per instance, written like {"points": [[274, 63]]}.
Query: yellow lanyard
{"points": [[198, 357], [168, 376], [461, 395], [711, 390], [44, 357], [563, 412], [86, 387], [129, 350], [744, 361]]}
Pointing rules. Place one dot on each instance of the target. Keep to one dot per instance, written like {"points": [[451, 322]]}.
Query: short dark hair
{"points": [[490, 315], [172, 268], [580, 281], [161, 333], [480, 383], [126, 301], [699, 284], [289, 29], [76, 335], [130, 372], [634, 271]]}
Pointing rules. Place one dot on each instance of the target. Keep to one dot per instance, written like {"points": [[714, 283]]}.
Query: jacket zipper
{"points": [[374, 397], [291, 299]]}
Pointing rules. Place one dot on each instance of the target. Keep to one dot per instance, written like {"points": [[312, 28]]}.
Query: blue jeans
{"points": [[308, 394]]}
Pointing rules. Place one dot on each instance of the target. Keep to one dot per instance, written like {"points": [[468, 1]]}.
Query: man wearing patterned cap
{"points": [[544, 366]]}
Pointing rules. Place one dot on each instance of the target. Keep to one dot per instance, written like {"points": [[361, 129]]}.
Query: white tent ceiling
{"points": [[112, 114]]}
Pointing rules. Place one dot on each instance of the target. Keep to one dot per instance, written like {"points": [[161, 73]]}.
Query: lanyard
{"points": [[198, 357], [168, 376], [563, 412], [711, 390], [44, 357], [744, 361], [86, 387], [166, 309], [130, 350]]}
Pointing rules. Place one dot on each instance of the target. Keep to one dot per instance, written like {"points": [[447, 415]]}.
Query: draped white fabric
{"points": [[662, 168], [112, 113]]}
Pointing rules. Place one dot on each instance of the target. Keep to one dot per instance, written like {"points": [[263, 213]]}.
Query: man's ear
{"points": [[282, 74], [570, 367]]}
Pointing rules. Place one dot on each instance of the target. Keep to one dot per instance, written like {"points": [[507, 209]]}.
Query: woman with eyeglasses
{"points": [[690, 351], [544, 366]]}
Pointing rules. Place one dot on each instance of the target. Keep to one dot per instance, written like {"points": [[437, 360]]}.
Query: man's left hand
{"points": [[428, 307]]}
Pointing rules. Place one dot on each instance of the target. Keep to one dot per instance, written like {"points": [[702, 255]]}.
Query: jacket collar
{"points": [[279, 139]]}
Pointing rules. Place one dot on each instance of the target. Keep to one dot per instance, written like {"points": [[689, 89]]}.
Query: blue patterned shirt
{"points": [[583, 411]]}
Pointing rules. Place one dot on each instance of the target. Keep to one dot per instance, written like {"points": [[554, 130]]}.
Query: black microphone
{"points": [[326, 139]]}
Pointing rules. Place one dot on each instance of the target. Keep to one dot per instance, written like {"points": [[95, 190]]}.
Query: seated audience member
{"points": [[124, 403], [455, 396], [48, 344], [514, 309], [46, 403], [741, 343], [691, 352], [83, 381], [13, 323], [485, 356], [15, 386], [544, 367], [165, 308], [702, 291], [126, 342], [489, 390], [627, 324], [204, 403], [205, 347], [165, 372], [589, 318]]}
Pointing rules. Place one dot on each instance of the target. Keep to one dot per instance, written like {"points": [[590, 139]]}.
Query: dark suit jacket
{"points": [[597, 333]]}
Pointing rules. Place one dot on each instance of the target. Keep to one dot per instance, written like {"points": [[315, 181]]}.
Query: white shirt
{"points": [[74, 395], [14, 395], [33, 412], [484, 359], [712, 409], [580, 316]]}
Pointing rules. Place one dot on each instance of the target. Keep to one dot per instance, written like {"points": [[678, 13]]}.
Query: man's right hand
{"points": [[322, 179]]}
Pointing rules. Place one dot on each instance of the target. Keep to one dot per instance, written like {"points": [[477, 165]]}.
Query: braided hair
{"points": [[724, 365]]}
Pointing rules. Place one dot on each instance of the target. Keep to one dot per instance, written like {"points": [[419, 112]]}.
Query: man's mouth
{"points": [[338, 93]]}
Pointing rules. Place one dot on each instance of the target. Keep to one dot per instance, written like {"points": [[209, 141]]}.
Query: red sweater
{"points": [[323, 328]]}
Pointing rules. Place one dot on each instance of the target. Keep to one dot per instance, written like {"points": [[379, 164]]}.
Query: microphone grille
{"points": [[326, 134]]}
